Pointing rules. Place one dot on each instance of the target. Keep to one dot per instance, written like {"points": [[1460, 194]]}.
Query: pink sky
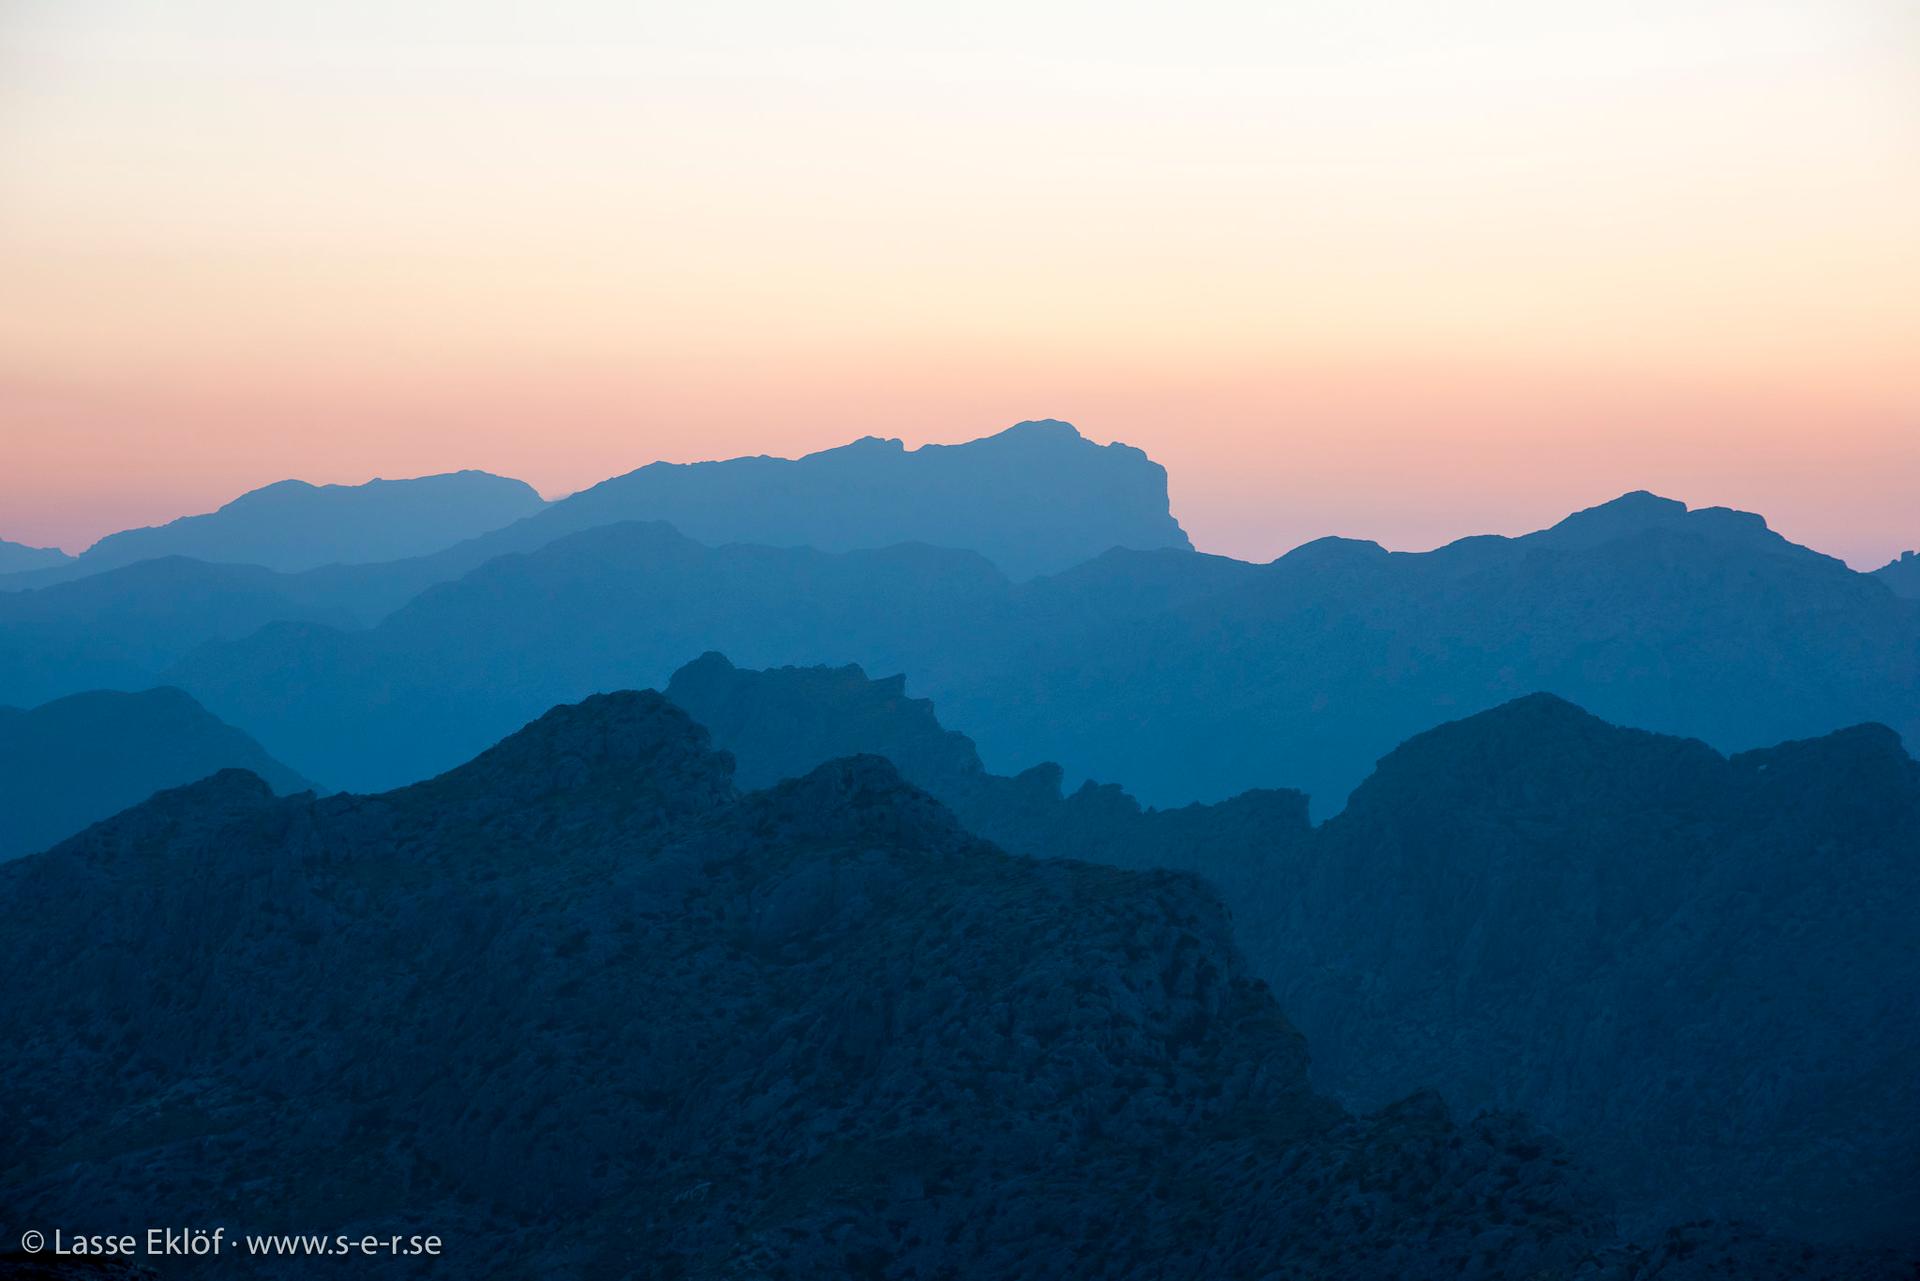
{"points": [[1356, 269]]}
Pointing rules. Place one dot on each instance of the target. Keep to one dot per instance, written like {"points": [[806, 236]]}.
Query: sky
{"points": [[1378, 268]]}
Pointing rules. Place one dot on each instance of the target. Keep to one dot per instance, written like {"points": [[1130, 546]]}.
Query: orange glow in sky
{"points": [[1390, 270]]}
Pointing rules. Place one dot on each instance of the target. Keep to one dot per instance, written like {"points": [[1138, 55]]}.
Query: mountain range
{"points": [[1035, 498], [813, 1030], [1190, 677], [86, 757], [1698, 970], [293, 525]]}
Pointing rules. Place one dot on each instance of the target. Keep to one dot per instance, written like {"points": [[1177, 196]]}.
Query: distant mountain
{"points": [[120, 629], [579, 1009], [15, 557], [293, 525], [1189, 677], [1193, 679], [86, 757], [1035, 499], [1035, 496], [621, 606], [782, 723], [1902, 574], [1640, 513], [1700, 970]]}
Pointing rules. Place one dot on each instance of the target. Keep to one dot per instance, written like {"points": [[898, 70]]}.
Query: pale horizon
{"points": [[1378, 271]]}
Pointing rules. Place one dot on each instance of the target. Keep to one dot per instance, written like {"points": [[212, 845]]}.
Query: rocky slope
{"points": [[1701, 970], [77, 760], [581, 1009]]}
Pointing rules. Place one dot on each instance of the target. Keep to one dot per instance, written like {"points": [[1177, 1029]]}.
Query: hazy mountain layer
{"points": [[1034, 499], [293, 525], [1701, 970], [580, 1010], [1902, 574], [782, 723], [1190, 677], [79, 759], [15, 557], [120, 629]]}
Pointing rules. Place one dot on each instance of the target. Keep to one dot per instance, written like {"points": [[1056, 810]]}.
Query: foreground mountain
{"points": [[1189, 677], [293, 525], [15, 557], [1902, 574], [1703, 971], [79, 759], [580, 1009]]}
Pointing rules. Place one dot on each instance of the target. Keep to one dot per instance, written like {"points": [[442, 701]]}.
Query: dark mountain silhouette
{"points": [[15, 557], [781, 723], [1189, 677], [292, 525], [581, 1010], [1902, 574], [86, 757], [1701, 970]]}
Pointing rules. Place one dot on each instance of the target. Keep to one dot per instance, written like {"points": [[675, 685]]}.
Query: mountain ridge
{"points": [[83, 758], [1532, 909], [817, 1029]]}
